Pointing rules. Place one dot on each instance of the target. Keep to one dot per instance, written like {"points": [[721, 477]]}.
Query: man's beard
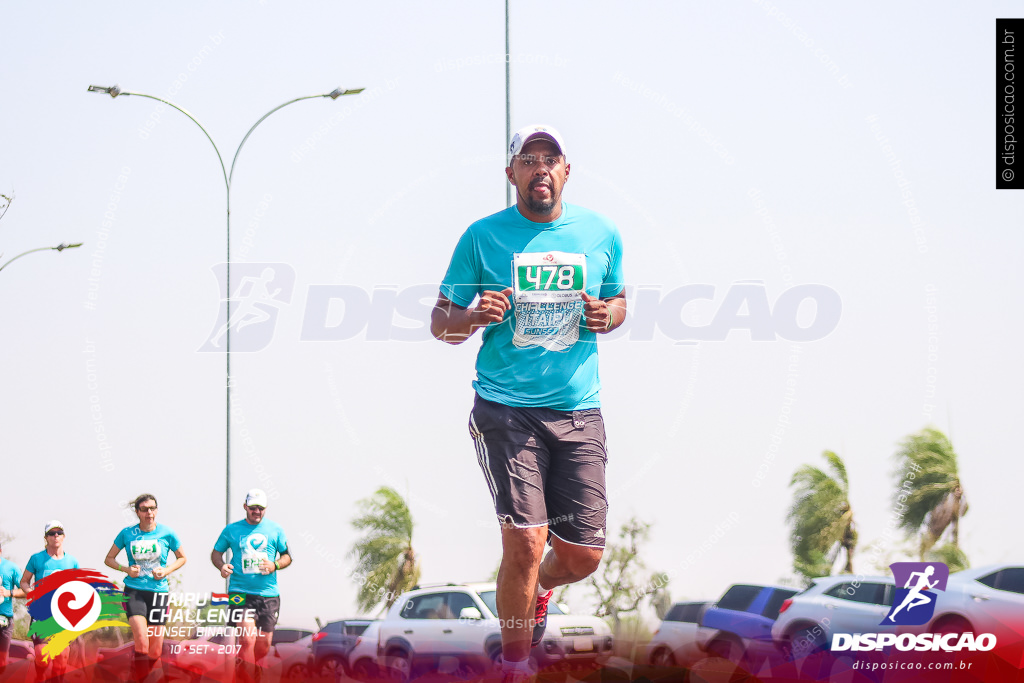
{"points": [[541, 206]]}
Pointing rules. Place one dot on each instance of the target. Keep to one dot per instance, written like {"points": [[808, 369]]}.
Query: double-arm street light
{"points": [[115, 91], [60, 247]]}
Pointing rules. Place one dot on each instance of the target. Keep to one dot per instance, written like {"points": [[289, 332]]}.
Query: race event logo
{"points": [[914, 604], [261, 289], [72, 602]]}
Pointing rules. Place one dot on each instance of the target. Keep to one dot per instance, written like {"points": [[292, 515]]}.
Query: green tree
{"points": [[386, 564], [934, 500], [620, 584], [821, 518]]}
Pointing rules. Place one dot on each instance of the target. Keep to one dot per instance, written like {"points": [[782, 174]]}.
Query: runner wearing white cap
{"points": [[259, 550], [543, 278], [47, 561]]}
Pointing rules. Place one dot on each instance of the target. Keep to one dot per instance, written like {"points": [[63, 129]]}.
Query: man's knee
{"points": [[579, 560]]}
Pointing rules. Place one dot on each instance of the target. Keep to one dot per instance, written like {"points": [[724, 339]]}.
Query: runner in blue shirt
{"points": [[10, 588], [147, 546], [47, 561], [259, 550], [542, 279]]}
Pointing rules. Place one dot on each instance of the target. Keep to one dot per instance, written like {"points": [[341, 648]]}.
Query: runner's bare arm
{"points": [[218, 561], [604, 315], [26, 581], [283, 560], [178, 563], [454, 324], [111, 559]]}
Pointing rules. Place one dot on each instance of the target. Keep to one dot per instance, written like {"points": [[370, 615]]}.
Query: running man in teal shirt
{"points": [[259, 550], [10, 588], [542, 279]]}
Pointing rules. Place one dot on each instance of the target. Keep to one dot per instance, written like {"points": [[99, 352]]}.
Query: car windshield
{"points": [[490, 599]]}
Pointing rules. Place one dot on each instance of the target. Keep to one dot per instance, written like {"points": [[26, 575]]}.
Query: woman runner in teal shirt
{"points": [[147, 545]]}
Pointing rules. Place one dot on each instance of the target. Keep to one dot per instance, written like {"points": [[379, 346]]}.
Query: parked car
{"points": [[331, 646], [290, 635], [741, 622], [455, 627], [294, 656], [832, 604], [363, 656], [680, 639], [987, 599]]}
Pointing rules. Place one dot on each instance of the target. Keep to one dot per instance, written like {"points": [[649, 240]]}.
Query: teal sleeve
{"points": [[282, 543], [461, 283], [223, 542], [119, 540], [613, 283], [173, 542]]}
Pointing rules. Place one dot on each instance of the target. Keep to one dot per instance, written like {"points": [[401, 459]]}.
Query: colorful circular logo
{"points": [[75, 606]]}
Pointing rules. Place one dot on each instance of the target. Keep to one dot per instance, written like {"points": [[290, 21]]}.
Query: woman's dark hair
{"points": [[142, 499]]}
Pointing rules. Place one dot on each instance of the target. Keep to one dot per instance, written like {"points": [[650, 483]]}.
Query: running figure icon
{"points": [[914, 597], [248, 313]]}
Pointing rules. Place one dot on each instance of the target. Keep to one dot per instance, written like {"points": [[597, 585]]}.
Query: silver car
{"points": [[987, 599], [679, 640], [832, 604]]}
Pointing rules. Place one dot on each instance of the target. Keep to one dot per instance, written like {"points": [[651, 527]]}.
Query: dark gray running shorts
{"points": [[141, 603], [266, 610], [544, 467]]}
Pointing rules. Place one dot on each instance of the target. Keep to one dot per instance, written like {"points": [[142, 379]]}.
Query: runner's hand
{"points": [[159, 572], [226, 570], [267, 567], [491, 308], [134, 571], [597, 313]]}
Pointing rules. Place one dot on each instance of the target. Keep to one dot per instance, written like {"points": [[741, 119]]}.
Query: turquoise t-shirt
{"points": [[541, 355], [10, 578], [42, 565], [149, 550], [249, 544]]}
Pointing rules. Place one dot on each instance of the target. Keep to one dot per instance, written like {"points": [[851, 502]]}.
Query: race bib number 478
{"points": [[549, 276], [546, 290]]}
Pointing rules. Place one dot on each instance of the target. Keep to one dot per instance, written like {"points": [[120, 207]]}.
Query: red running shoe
{"points": [[540, 617]]}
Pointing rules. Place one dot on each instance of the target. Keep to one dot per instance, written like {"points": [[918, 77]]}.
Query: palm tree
{"points": [[821, 518], [934, 499], [386, 564]]}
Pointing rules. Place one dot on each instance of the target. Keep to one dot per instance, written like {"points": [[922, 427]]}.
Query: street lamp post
{"points": [[60, 247], [115, 91]]}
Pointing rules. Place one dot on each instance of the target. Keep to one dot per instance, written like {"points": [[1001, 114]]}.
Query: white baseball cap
{"points": [[53, 524], [256, 497], [524, 135]]}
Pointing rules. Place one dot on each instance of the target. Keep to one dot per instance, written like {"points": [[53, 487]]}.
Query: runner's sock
{"points": [[522, 665]]}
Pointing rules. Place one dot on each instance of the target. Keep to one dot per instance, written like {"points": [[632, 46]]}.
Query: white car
{"points": [[679, 639], [832, 604], [362, 659], [987, 599], [454, 627]]}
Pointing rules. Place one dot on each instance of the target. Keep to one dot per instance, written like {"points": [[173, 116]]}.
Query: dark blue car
{"points": [[742, 621]]}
